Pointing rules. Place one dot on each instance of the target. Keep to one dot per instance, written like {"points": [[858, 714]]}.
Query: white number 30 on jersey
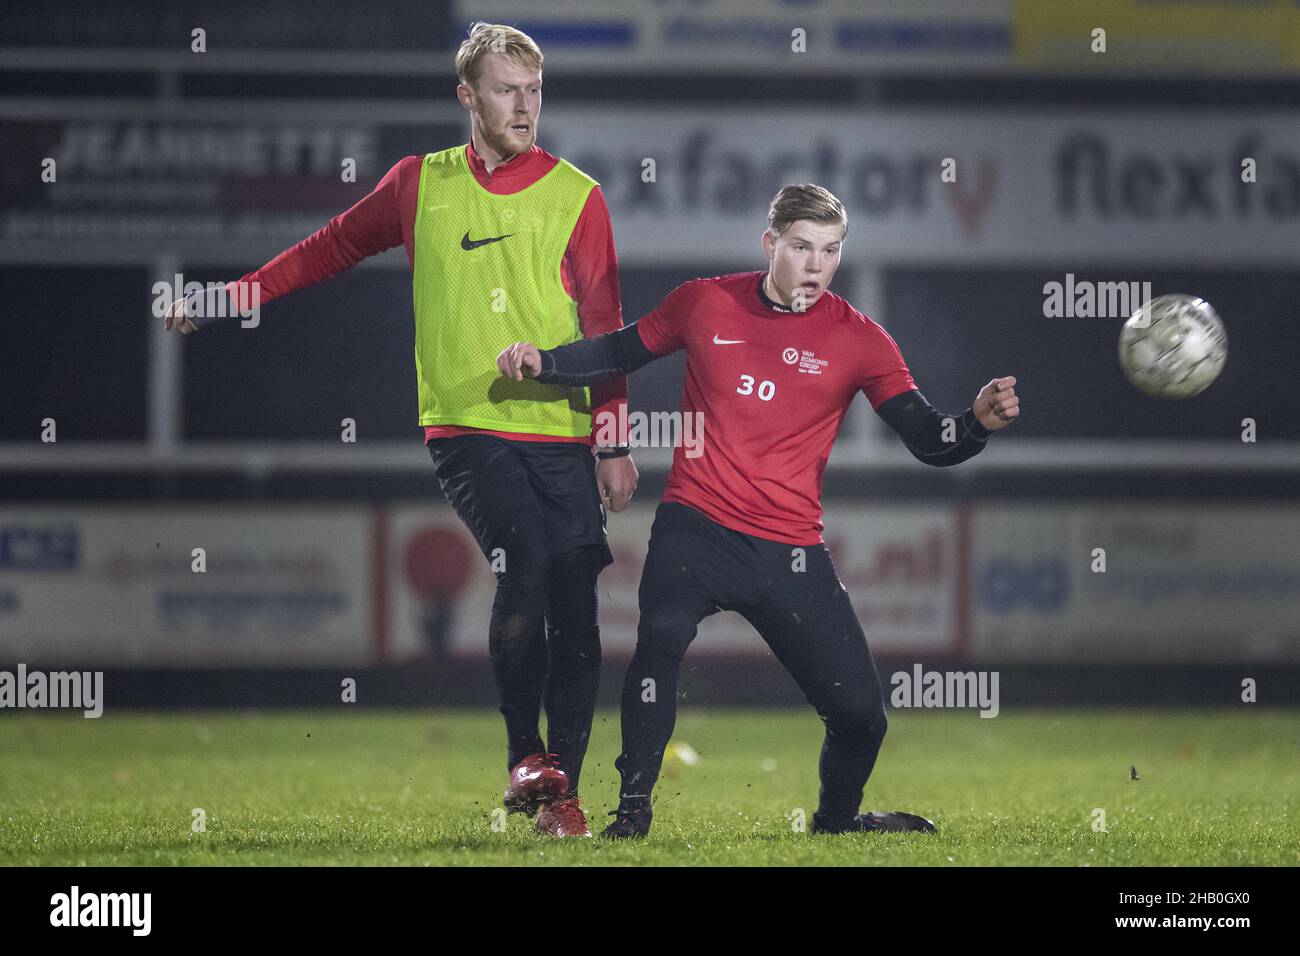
{"points": [[765, 388]]}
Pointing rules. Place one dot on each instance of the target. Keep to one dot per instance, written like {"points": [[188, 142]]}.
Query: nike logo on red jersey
{"points": [[718, 341]]}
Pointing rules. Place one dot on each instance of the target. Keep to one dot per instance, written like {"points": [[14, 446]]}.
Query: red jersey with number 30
{"points": [[773, 387]]}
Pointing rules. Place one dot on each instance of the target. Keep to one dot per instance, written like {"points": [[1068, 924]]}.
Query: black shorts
{"points": [[488, 479], [791, 594], [729, 570]]}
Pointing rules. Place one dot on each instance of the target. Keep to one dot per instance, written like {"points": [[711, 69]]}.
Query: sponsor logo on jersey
{"points": [[807, 360]]}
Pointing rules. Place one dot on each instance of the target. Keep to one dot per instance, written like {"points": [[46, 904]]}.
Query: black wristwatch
{"points": [[619, 451]]}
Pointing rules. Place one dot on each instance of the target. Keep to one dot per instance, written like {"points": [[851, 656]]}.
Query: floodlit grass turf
{"points": [[367, 787]]}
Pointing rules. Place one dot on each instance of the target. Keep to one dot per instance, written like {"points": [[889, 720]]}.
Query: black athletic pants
{"points": [[795, 600], [534, 510]]}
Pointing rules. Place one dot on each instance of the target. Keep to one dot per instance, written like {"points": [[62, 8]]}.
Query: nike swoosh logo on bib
{"points": [[718, 341], [467, 243]]}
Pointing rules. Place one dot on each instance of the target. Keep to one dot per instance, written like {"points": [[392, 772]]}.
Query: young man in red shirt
{"points": [[773, 360], [505, 241]]}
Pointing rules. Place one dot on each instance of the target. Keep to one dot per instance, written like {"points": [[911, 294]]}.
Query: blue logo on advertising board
{"points": [[1041, 585], [39, 547]]}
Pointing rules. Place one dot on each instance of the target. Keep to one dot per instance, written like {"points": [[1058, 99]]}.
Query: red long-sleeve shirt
{"points": [[386, 218]]}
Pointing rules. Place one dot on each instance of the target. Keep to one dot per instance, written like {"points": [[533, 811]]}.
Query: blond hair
{"points": [[485, 38], [804, 201]]}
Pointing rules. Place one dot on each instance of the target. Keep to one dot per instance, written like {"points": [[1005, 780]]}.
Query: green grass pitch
{"points": [[419, 787]]}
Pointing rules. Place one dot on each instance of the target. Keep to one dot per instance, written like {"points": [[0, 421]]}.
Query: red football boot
{"points": [[563, 818], [535, 780]]}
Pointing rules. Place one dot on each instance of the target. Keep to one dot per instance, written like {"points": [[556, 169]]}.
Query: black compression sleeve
{"points": [[588, 361], [925, 430]]}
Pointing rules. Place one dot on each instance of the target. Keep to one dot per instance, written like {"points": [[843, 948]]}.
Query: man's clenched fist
{"points": [[997, 405], [176, 318], [519, 361]]}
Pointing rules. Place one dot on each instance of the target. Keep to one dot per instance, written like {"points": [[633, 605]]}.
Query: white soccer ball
{"points": [[1173, 347]]}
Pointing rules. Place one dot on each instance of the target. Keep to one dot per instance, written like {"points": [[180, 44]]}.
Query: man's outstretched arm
{"points": [[602, 357], [580, 363], [371, 226], [936, 438]]}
